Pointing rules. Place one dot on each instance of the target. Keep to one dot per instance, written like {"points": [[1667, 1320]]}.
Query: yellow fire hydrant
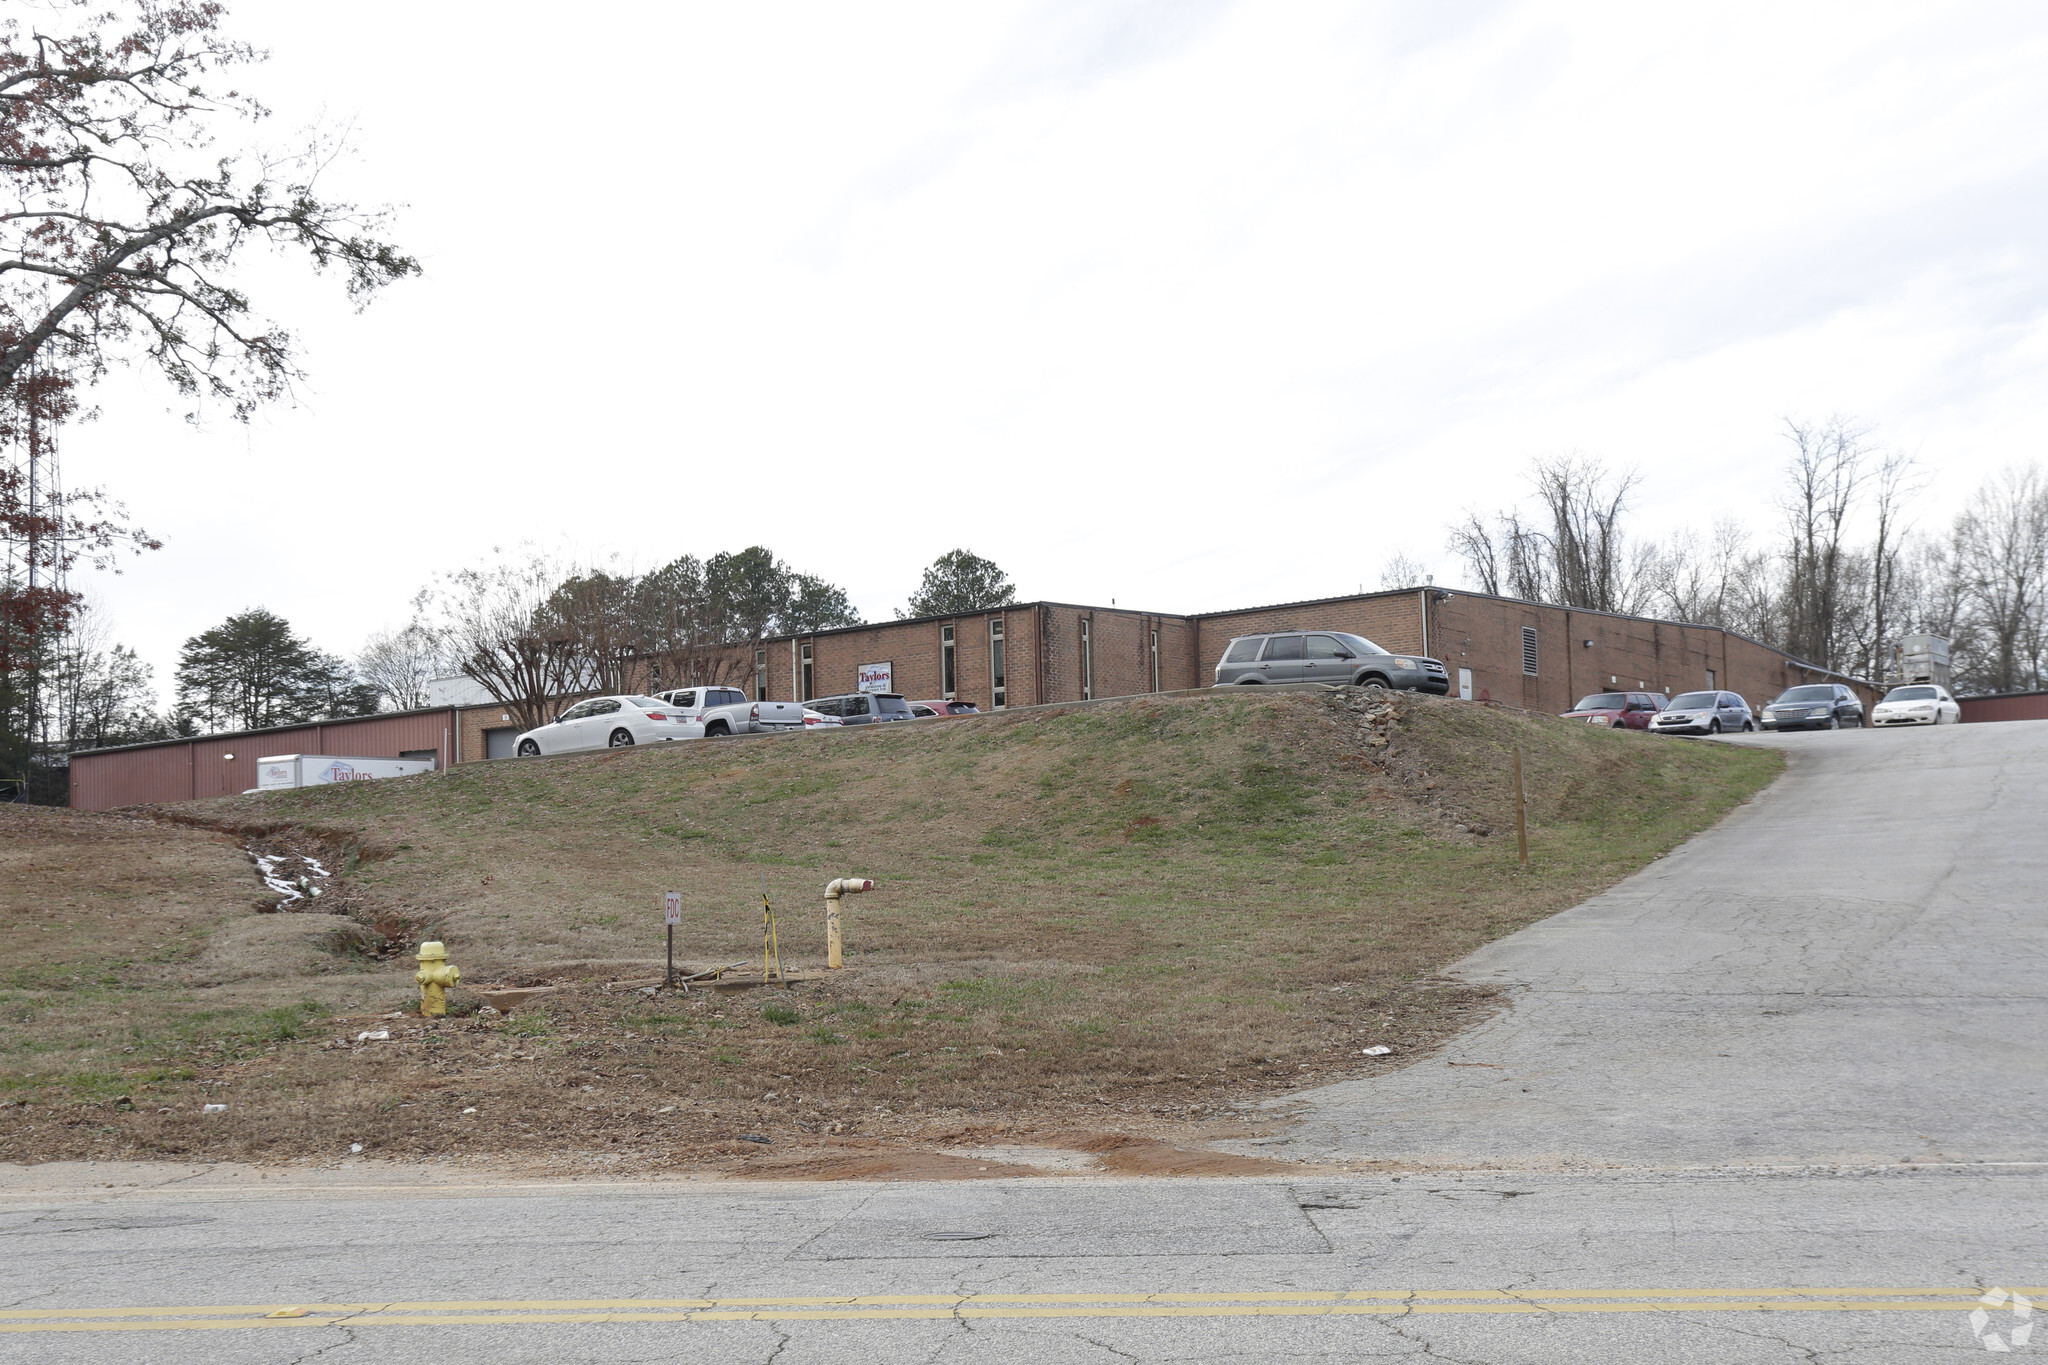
{"points": [[436, 975]]}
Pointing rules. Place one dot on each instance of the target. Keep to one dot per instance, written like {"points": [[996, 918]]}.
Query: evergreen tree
{"points": [[251, 672], [960, 581]]}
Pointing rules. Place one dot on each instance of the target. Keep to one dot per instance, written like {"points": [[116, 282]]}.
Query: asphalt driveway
{"points": [[1853, 968]]}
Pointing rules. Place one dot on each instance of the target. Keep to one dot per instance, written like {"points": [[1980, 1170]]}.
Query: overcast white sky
{"points": [[1186, 304]]}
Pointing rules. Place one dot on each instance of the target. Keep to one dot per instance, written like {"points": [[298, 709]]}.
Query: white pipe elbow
{"points": [[844, 886]]}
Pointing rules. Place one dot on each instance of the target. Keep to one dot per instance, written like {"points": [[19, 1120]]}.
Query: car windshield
{"points": [[1819, 692], [647, 703], [1603, 701], [1691, 700], [1910, 694], [1359, 643]]}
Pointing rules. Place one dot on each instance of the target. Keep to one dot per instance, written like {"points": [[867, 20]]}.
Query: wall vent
{"points": [[1529, 650]]}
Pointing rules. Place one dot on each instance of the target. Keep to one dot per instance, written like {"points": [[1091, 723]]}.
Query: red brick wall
{"points": [[1392, 621], [912, 648], [1121, 648], [1484, 634]]}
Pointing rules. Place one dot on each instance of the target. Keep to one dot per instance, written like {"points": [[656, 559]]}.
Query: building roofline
{"points": [[1554, 606], [952, 616], [1198, 617], [273, 729]]}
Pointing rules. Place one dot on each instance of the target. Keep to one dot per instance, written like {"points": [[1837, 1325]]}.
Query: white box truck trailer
{"points": [[317, 770]]}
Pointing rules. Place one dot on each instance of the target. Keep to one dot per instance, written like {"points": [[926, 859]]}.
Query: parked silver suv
{"points": [[1326, 656]]}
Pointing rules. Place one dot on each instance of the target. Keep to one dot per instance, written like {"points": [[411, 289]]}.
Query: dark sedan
{"points": [[1814, 706]]}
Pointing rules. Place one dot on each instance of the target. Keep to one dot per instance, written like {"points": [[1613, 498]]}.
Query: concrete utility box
{"points": [[1919, 659], [317, 770]]}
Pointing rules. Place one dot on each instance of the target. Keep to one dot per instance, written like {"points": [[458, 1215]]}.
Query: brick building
{"points": [[1526, 654]]}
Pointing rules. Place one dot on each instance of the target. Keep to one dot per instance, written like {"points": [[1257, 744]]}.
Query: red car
{"points": [[921, 709], [1629, 710]]}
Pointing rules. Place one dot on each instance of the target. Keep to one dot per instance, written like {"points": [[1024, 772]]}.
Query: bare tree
{"points": [[1577, 554], [1825, 477], [2001, 558], [1402, 572], [594, 610], [1473, 541], [1506, 557], [400, 663], [1590, 563], [1897, 480], [124, 218], [493, 622]]}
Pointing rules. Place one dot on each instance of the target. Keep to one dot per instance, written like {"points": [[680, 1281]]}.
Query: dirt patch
{"points": [[1131, 1154]]}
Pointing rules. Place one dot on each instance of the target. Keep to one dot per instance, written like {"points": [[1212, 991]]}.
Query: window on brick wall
{"points": [[1529, 650], [998, 693], [948, 680], [1155, 661], [760, 675], [1087, 663], [804, 671]]}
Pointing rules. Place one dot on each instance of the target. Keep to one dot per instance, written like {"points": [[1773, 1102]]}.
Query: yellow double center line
{"points": [[897, 1307]]}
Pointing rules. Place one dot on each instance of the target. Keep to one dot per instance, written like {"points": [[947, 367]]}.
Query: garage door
{"points": [[501, 743]]}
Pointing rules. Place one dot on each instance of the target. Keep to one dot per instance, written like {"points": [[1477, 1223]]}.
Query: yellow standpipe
{"points": [[436, 975], [844, 886]]}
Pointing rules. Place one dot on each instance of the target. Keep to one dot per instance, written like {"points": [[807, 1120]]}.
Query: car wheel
{"points": [[528, 749], [721, 729], [1377, 683], [1713, 727], [622, 739], [1834, 722], [1748, 726]]}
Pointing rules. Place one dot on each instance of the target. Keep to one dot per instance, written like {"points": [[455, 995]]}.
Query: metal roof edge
{"points": [[273, 730]]}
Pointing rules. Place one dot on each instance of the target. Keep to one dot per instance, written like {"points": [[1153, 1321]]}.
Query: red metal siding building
{"points": [[2005, 706], [221, 765]]}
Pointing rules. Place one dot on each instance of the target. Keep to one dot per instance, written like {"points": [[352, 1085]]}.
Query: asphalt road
{"points": [[1778, 1098]]}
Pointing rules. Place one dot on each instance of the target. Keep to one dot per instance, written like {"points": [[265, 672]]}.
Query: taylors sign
{"points": [[340, 770], [877, 677]]}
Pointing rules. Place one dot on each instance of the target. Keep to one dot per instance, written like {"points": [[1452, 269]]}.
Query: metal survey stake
{"points": [[771, 950], [672, 911], [1521, 820]]}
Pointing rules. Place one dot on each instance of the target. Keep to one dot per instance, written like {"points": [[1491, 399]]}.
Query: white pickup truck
{"points": [[726, 711]]}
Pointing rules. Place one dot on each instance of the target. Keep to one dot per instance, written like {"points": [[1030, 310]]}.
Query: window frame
{"points": [[998, 666], [949, 676], [1087, 661]]}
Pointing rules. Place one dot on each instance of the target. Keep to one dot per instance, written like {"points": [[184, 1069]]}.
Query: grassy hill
{"points": [[1161, 902]]}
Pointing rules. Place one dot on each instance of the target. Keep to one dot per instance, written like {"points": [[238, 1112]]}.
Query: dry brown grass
{"points": [[1088, 919]]}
